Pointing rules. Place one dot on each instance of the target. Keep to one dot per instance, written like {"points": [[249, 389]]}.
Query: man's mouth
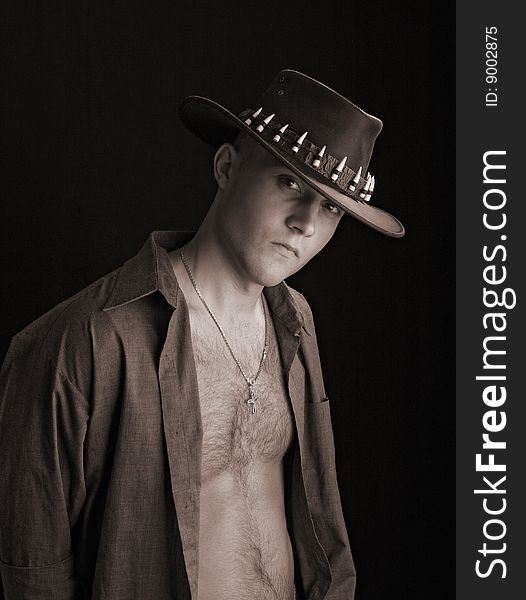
{"points": [[290, 249]]}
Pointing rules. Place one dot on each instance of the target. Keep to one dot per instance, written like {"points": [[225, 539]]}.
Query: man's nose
{"points": [[303, 217]]}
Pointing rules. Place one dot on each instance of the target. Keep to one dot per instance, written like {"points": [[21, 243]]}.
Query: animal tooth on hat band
{"points": [[355, 180], [249, 120], [317, 161], [371, 188], [266, 121], [277, 137], [277, 132], [366, 187], [299, 142], [337, 171]]}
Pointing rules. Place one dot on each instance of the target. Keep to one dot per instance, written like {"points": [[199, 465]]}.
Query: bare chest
{"points": [[233, 436]]}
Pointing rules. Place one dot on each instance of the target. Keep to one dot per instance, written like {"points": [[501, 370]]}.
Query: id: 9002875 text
{"points": [[491, 66]]}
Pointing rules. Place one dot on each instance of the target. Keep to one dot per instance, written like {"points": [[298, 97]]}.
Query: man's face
{"points": [[270, 221]]}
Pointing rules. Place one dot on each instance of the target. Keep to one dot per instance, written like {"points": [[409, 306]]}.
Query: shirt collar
{"points": [[150, 271]]}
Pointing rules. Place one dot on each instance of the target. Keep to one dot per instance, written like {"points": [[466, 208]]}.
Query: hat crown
{"points": [[330, 119]]}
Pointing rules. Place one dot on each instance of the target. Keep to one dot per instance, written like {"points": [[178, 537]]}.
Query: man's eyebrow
{"points": [[286, 171]]}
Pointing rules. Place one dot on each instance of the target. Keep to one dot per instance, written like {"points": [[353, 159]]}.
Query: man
{"points": [[165, 432]]}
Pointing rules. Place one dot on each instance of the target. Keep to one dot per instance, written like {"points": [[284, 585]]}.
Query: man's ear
{"points": [[224, 160]]}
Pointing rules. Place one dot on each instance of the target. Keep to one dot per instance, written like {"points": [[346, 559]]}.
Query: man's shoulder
{"points": [[82, 307], [298, 297], [61, 339], [303, 306]]}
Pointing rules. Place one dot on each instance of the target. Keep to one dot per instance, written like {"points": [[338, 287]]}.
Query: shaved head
{"points": [[245, 145]]}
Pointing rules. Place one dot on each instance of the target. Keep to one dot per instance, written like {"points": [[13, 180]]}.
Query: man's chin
{"points": [[270, 280], [269, 277]]}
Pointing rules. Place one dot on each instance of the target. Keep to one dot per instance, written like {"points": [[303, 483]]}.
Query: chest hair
{"points": [[234, 437]]}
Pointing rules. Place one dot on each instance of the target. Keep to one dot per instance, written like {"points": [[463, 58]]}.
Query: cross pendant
{"points": [[252, 399]]}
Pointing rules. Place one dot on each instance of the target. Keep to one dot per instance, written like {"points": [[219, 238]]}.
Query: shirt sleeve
{"points": [[43, 420]]}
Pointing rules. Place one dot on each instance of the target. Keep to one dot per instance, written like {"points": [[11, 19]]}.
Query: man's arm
{"points": [[328, 516], [43, 419], [326, 508]]}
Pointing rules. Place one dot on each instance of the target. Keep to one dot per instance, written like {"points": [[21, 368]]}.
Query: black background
{"points": [[97, 159]]}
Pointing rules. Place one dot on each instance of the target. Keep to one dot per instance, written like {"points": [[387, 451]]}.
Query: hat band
{"points": [[349, 181]]}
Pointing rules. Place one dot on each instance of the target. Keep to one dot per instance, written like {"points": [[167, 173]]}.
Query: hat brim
{"points": [[216, 125]]}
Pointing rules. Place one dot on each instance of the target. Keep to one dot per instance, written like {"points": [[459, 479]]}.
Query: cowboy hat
{"points": [[317, 133]]}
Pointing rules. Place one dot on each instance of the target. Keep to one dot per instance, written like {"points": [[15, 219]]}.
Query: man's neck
{"points": [[228, 294]]}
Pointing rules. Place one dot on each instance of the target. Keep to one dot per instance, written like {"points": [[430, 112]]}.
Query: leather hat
{"points": [[317, 133]]}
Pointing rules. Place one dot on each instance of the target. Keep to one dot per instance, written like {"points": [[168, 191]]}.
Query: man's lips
{"points": [[291, 249]]}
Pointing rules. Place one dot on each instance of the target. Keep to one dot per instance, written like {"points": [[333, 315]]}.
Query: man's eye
{"points": [[333, 208], [290, 183]]}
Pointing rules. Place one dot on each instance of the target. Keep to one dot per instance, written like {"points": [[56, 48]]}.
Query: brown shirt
{"points": [[100, 445]]}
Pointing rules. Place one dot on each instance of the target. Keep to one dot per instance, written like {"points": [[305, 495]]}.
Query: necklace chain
{"points": [[250, 381]]}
